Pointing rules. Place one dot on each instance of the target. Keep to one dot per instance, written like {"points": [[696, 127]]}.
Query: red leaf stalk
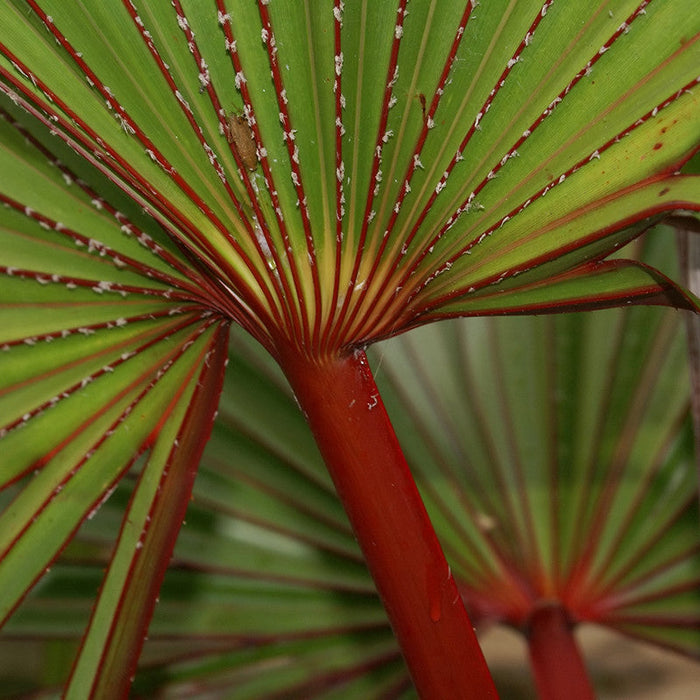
{"points": [[556, 660], [346, 414]]}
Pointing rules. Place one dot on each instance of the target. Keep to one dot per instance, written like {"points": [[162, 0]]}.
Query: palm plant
{"points": [[408, 167]]}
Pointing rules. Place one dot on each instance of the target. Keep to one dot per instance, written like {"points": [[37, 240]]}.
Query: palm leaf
{"points": [[393, 183], [449, 196]]}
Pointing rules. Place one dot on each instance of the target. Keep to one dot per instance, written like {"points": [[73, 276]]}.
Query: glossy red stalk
{"points": [[346, 414], [556, 660]]}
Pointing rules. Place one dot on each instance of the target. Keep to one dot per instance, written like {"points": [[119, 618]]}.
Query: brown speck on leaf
{"points": [[240, 135], [421, 98]]}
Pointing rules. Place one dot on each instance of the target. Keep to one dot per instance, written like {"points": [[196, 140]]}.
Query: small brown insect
{"points": [[421, 98], [239, 133]]}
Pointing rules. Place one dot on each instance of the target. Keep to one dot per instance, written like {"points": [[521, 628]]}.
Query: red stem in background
{"points": [[342, 404], [556, 660]]}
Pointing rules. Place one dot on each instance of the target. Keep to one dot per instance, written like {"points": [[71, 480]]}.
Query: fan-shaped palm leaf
{"points": [[408, 166]]}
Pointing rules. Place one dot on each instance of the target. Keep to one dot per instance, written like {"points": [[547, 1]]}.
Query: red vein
{"points": [[513, 151], [301, 504], [152, 375], [184, 105], [175, 323], [584, 580], [246, 314], [482, 498], [529, 552], [556, 429], [614, 599], [118, 261], [594, 155], [216, 294], [600, 587], [176, 477], [99, 287], [635, 417], [614, 605], [339, 170], [129, 124], [127, 226], [414, 164], [171, 359]]}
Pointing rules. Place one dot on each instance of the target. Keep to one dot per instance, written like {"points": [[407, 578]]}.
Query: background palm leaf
{"points": [[583, 498]]}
